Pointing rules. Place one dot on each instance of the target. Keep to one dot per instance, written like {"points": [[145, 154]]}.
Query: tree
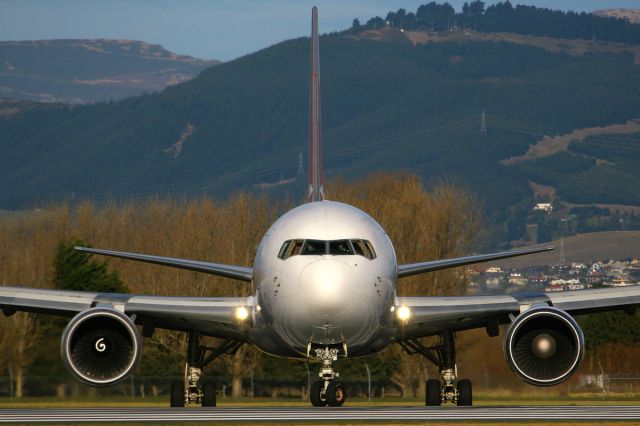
{"points": [[75, 270], [476, 8], [20, 341], [375, 23], [356, 24]]}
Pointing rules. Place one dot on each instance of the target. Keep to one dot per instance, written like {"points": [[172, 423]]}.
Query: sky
{"points": [[213, 29]]}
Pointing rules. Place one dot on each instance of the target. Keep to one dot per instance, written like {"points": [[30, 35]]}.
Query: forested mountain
{"points": [[392, 100], [505, 17], [80, 71]]}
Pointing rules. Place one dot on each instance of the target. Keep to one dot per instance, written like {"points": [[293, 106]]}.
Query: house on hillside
{"points": [[545, 207]]}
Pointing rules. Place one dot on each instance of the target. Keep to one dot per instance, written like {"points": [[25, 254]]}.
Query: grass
{"points": [[495, 398]]}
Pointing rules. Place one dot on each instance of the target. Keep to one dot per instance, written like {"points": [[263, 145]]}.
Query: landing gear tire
{"points": [[432, 397], [465, 395], [336, 394], [177, 393], [209, 393], [317, 394]]}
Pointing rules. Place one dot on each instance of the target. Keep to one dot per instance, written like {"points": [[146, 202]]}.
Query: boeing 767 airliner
{"points": [[325, 275]]}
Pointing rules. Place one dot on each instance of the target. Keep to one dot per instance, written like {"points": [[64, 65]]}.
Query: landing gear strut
{"points": [[194, 389], [327, 390], [443, 355]]}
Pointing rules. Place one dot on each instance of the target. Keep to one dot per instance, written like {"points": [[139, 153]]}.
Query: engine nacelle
{"points": [[101, 346], [544, 346]]}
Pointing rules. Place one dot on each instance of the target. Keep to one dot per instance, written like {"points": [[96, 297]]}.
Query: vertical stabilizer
{"points": [[316, 178]]}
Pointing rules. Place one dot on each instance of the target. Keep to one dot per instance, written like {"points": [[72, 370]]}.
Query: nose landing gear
{"points": [[327, 390]]}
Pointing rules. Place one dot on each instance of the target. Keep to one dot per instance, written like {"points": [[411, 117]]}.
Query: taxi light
{"points": [[242, 313], [404, 313]]}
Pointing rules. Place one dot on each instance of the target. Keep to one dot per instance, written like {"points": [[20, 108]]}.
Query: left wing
{"points": [[431, 315], [212, 316]]}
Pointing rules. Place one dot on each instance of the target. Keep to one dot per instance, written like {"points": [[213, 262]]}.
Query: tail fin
{"points": [[316, 178]]}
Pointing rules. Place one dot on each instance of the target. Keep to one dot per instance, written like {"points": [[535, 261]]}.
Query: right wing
{"points": [[432, 315], [241, 273], [434, 265], [213, 316]]}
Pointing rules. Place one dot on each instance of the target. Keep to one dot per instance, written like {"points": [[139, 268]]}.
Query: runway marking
{"points": [[270, 414]]}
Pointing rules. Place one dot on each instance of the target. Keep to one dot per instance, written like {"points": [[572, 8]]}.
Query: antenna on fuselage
{"points": [[316, 178]]}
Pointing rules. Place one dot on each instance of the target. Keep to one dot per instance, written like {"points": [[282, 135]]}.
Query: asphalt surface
{"points": [[302, 414]]}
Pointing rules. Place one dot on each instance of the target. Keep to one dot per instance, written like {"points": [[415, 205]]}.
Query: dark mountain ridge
{"points": [[89, 70]]}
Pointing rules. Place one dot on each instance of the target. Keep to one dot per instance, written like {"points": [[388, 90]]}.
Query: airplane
{"points": [[325, 275]]}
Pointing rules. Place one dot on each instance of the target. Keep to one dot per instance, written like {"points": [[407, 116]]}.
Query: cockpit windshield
{"points": [[340, 247], [319, 247], [314, 247]]}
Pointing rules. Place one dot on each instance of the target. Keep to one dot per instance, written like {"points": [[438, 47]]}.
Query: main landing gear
{"points": [[443, 355], [327, 390], [194, 389]]}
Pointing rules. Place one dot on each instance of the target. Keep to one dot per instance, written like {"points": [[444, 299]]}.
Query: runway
{"points": [[302, 414]]}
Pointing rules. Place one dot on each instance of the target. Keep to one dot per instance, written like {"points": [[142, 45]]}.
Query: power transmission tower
{"points": [[562, 260], [483, 124], [300, 166]]}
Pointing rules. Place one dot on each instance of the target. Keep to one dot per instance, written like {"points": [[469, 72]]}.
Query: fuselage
{"points": [[325, 274]]}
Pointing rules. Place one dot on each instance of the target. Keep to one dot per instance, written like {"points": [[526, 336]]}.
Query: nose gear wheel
{"points": [[327, 390]]}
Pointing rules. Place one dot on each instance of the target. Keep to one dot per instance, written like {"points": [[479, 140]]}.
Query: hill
{"points": [[80, 71], [631, 15], [390, 102], [12, 107], [582, 248]]}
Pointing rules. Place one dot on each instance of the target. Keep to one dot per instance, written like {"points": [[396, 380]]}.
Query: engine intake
{"points": [[101, 346], [544, 346]]}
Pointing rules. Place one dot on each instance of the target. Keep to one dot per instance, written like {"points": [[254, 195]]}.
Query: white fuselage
{"points": [[325, 298]]}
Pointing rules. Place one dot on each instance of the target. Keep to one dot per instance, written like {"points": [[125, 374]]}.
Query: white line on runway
{"points": [[267, 414]]}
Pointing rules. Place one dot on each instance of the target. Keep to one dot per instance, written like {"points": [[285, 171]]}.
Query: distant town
{"points": [[560, 277]]}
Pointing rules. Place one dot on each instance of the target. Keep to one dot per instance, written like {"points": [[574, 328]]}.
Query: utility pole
{"points": [[483, 124], [300, 166]]}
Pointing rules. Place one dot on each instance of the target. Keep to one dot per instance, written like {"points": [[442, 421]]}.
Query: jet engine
{"points": [[544, 346], [101, 346]]}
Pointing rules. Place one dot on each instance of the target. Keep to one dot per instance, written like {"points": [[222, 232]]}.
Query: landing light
{"points": [[242, 313], [404, 313]]}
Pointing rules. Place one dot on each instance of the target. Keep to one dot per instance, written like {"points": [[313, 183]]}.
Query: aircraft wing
{"points": [[434, 265], [432, 315], [213, 316], [241, 273]]}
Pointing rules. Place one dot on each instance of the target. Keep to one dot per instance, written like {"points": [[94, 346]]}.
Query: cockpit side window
{"points": [[314, 247], [359, 248], [290, 248], [340, 247], [372, 252], [296, 248], [282, 254]]}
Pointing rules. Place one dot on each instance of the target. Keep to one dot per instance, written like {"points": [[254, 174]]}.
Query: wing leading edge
{"points": [[213, 316], [434, 265], [432, 315], [229, 271]]}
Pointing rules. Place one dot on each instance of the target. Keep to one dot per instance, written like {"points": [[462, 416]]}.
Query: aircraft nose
{"points": [[326, 284]]}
